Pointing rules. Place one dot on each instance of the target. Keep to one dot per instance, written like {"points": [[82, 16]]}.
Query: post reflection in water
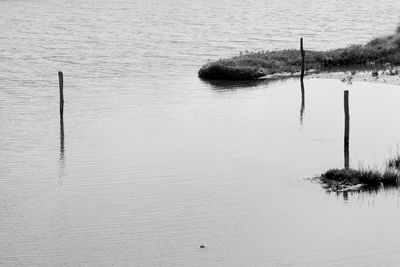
{"points": [[346, 196], [346, 130], [303, 101], [62, 151]]}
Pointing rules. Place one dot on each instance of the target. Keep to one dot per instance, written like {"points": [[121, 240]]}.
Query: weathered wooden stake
{"points": [[346, 130], [303, 54], [62, 149], [61, 83]]}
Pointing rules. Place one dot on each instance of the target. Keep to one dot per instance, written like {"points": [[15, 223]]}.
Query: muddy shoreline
{"points": [[390, 75]]}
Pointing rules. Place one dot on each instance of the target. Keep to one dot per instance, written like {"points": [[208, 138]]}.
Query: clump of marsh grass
{"points": [[393, 72], [222, 70], [348, 179], [390, 177], [343, 180], [254, 65], [351, 177]]}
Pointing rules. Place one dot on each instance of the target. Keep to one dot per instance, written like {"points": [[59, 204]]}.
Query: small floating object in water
{"points": [[202, 246]]}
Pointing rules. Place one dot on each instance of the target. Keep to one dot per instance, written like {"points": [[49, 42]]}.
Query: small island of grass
{"points": [[349, 179], [255, 65], [337, 180]]}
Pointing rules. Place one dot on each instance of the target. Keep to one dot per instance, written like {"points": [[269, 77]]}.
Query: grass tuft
{"points": [[390, 177], [351, 177], [219, 70], [343, 179], [394, 162]]}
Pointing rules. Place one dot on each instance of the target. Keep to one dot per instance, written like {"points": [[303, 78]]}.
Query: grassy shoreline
{"points": [[382, 51]]}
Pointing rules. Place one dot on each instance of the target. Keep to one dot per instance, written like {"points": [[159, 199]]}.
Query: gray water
{"points": [[154, 162]]}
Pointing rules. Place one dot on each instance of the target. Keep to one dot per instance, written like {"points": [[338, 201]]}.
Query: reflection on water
{"points": [[346, 130], [226, 85], [345, 196], [369, 194], [223, 85], [303, 101], [61, 172]]}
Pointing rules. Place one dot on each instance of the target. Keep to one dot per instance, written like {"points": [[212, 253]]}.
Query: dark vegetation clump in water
{"points": [[353, 179], [343, 178], [254, 65]]}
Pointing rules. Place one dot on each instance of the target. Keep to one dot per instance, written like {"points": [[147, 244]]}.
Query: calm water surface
{"points": [[155, 162]]}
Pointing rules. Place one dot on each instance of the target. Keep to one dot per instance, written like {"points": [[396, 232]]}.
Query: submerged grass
{"points": [[254, 65]]}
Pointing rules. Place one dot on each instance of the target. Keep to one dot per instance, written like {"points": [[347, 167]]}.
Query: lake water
{"points": [[154, 162]]}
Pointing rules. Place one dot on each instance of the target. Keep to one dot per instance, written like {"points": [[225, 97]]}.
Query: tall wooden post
{"points": [[346, 130], [303, 53], [301, 81], [61, 83], [62, 148]]}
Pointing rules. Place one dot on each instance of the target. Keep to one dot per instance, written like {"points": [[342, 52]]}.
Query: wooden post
{"points": [[346, 130], [62, 149], [61, 83], [303, 53], [301, 81]]}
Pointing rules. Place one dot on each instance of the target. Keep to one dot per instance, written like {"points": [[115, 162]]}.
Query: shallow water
{"points": [[155, 162]]}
